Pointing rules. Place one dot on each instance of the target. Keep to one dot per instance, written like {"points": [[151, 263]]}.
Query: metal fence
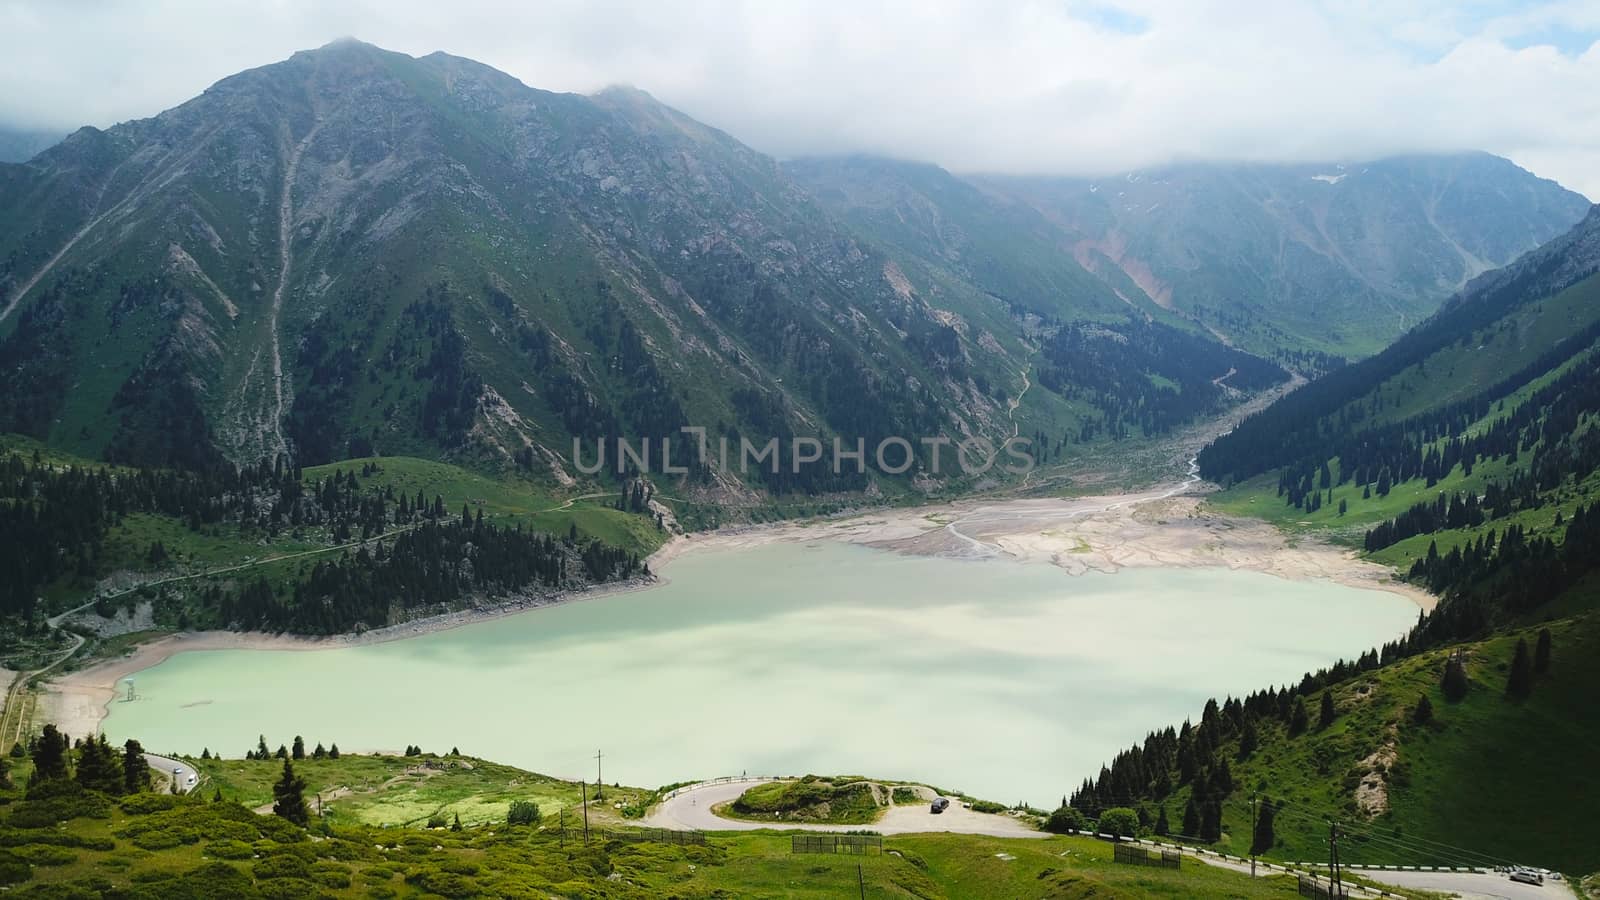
{"points": [[858, 844], [658, 836], [1310, 886], [1139, 856]]}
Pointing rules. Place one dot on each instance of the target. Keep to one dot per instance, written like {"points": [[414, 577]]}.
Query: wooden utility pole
{"points": [[586, 813], [1336, 887], [599, 781], [1255, 823]]}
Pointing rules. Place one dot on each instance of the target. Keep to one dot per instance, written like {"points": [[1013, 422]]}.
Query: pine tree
{"points": [[216, 796], [333, 752], [97, 767], [1264, 837], [1520, 682], [135, 768], [1423, 714], [1541, 652], [1191, 819], [1455, 680], [320, 753], [1211, 821], [50, 755], [299, 751], [288, 796], [1327, 713], [261, 748], [205, 752], [1299, 719], [456, 825], [283, 752], [1162, 827], [1249, 739]]}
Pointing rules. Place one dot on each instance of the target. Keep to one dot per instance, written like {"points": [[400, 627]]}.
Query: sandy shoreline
{"points": [[1168, 528]]}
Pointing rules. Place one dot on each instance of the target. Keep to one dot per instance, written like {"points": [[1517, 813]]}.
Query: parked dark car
{"points": [[940, 804]]}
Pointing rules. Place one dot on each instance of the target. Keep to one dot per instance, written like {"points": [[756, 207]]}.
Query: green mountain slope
{"points": [[1488, 779], [1465, 455], [356, 251]]}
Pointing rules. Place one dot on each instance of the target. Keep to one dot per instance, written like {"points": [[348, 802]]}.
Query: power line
{"points": [[1416, 843]]}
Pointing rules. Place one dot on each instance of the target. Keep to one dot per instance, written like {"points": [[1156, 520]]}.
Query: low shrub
{"points": [[13, 868], [445, 884], [228, 848], [162, 839], [144, 804], [283, 866], [1065, 820], [46, 855], [289, 889]]}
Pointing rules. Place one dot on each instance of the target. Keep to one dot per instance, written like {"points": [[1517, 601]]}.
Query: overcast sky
{"points": [[1062, 86]]}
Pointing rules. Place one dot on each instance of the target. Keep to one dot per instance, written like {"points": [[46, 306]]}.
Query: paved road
{"points": [[1487, 886], [691, 808], [164, 768]]}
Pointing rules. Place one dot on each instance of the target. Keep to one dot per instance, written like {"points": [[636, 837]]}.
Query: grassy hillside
{"points": [[1489, 780], [150, 845]]}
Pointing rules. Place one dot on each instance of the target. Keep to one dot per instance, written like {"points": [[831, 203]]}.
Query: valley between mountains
{"points": [[354, 402]]}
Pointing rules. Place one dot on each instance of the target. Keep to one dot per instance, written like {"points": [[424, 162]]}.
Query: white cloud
{"points": [[1025, 86]]}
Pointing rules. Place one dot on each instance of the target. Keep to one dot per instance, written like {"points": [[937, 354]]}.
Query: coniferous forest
{"points": [[409, 553]]}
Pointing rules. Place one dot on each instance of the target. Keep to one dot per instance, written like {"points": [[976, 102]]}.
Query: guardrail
{"points": [[729, 779]]}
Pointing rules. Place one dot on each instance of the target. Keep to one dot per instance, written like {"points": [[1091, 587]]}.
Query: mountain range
{"points": [[356, 251]]}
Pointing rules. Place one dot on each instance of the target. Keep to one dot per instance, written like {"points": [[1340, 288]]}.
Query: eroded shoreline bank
{"points": [[1157, 528]]}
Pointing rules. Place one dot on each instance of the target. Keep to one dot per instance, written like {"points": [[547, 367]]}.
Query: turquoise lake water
{"points": [[1005, 680]]}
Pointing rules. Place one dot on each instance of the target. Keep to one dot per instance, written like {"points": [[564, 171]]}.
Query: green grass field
{"points": [[408, 790]]}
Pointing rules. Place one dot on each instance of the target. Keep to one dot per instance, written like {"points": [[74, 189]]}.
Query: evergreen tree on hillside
{"points": [[1264, 837], [1423, 713], [1541, 652], [299, 751], [1249, 739], [1298, 719], [289, 796], [320, 753], [1326, 716], [1162, 827], [1520, 682], [1455, 680], [1191, 818], [97, 767], [333, 752], [1211, 821], [50, 756], [135, 768]]}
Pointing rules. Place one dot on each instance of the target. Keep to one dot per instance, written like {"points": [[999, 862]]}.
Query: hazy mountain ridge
{"points": [[1328, 258]]}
